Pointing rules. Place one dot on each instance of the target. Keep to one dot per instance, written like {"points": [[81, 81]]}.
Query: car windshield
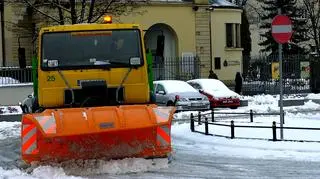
{"points": [[90, 48]]}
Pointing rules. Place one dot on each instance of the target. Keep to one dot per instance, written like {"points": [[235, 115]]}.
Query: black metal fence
{"points": [[204, 119], [15, 75], [258, 79], [262, 75], [179, 68]]}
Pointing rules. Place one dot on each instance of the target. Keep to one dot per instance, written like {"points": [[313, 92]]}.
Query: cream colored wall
{"points": [[218, 18], [8, 34], [14, 17], [181, 19]]}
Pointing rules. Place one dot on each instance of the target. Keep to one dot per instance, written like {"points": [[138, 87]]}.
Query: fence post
{"points": [[274, 131], [232, 129], [212, 114], [206, 125], [199, 117], [251, 115], [192, 123]]}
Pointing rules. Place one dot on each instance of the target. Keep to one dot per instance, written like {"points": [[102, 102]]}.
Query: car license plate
{"points": [[227, 101], [196, 104]]}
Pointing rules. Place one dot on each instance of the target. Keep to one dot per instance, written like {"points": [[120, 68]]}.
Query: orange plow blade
{"points": [[101, 132]]}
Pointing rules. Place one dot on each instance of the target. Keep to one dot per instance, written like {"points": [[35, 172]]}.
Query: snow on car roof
{"points": [[173, 86], [215, 87], [212, 84]]}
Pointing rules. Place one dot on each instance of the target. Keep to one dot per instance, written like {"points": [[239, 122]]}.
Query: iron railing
{"points": [[204, 119], [15, 75], [178, 68], [257, 80]]}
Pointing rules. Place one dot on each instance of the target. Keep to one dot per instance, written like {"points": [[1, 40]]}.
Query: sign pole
{"points": [[282, 33], [281, 92], [281, 86]]}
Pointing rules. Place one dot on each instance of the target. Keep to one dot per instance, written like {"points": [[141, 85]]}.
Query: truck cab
{"points": [[86, 65]]}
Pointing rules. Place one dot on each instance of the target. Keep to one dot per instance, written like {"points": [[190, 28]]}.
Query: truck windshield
{"points": [[90, 49]]}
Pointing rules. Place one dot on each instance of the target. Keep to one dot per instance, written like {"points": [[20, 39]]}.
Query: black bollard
{"points": [[206, 125], [251, 115], [232, 129], [212, 114], [274, 131], [192, 122], [199, 118]]}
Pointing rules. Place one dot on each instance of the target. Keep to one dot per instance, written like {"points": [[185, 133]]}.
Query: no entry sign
{"points": [[281, 29]]}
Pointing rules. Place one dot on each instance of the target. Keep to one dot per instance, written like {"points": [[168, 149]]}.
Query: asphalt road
{"points": [[190, 164]]}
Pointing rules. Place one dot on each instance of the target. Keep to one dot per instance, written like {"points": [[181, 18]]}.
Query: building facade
{"points": [[209, 31]]}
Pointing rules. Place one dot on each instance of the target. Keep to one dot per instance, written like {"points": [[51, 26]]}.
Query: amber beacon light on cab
{"points": [[93, 97]]}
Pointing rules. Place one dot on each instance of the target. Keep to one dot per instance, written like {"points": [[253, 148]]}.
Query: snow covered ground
{"points": [[184, 140]]}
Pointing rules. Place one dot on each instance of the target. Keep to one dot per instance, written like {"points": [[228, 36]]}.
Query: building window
{"points": [[238, 36], [233, 36], [217, 63], [229, 35]]}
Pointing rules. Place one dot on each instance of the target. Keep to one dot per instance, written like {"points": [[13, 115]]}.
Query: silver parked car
{"points": [[180, 94]]}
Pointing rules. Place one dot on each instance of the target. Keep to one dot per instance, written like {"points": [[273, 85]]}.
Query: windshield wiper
{"points": [[69, 87]]}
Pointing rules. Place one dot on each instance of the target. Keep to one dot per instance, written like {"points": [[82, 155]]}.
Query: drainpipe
{"points": [[2, 34], [210, 9]]}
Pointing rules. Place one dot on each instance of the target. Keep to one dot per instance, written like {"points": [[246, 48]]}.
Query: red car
{"points": [[218, 93]]}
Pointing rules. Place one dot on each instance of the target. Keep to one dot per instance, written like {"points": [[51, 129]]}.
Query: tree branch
{"points": [[105, 10], [58, 5], [43, 13]]}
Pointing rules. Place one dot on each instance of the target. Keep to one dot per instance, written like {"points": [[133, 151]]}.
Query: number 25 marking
{"points": [[51, 78]]}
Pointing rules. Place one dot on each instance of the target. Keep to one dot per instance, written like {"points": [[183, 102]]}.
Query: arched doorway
{"points": [[162, 40], [152, 38]]}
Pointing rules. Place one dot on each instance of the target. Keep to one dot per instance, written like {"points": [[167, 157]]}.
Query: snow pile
{"points": [[8, 80], [80, 169], [313, 96], [244, 148], [7, 110], [41, 172], [9, 129], [117, 167]]}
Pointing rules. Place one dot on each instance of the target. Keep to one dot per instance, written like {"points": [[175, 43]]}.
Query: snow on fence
{"points": [[270, 132], [15, 75]]}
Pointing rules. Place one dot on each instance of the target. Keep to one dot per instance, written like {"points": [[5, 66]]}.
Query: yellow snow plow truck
{"points": [[92, 97]]}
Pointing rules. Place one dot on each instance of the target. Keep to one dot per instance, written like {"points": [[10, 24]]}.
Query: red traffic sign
{"points": [[281, 29]]}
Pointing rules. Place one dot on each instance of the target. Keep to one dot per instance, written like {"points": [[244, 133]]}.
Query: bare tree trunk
{"points": [[83, 9], [73, 12], [91, 10], [61, 16], [41, 12]]}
